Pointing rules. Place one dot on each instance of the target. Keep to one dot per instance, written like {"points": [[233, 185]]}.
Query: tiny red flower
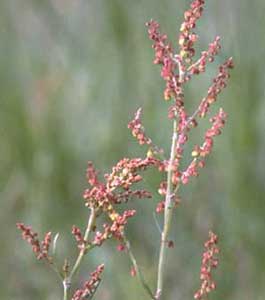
{"points": [[133, 272]]}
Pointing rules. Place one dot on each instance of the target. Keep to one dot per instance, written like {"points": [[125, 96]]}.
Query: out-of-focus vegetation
{"points": [[72, 73]]}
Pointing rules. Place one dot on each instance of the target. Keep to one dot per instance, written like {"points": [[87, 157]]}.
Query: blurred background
{"points": [[72, 74]]}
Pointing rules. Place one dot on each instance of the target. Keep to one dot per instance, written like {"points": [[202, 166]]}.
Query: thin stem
{"points": [[66, 287], [68, 280], [54, 267], [167, 215], [137, 268], [82, 252]]}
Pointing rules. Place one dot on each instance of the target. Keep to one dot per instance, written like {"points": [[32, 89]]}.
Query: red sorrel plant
{"points": [[104, 196]]}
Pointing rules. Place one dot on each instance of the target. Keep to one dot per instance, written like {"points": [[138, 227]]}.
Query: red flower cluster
{"points": [[199, 66], [209, 261], [177, 69], [160, 207], [170, 62], [116, 229], [199, 153], [90, 286], [122, 177], [78, 237], [103, 197], [138, 130], [126, 172], [219, 83], [162, 48], [41, 249], [133, 272], [164, 56], [91, 174], [187, 37], [218, 122]]}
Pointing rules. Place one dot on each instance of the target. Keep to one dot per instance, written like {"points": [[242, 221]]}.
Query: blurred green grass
{"points": [[72, 73]]}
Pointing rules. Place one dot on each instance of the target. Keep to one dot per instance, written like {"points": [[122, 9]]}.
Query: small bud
{"points": [[181, 41], [160, 207], [150, 153], [66, 267], [113, 216], [125, 171], [183, 54], [195, 153], [177, 201], [201, 163], [120, 247], [211, 99], [133, 272], [193, 123], [167, 96], [170, 244], [183, 27]]}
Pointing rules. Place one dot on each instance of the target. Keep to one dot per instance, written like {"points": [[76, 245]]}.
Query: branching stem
{"points": [[68, 280]]}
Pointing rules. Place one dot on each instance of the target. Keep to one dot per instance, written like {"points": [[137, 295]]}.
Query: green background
{"points": [[72, 73]]}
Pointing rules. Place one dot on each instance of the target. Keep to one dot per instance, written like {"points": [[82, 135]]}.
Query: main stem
{"points": [[68, 280], [167, 215]]}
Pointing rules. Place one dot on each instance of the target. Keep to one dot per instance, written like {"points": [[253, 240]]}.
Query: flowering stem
{"points": [[82, 252], [68, 280], [167, 215], [137, 269]]}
